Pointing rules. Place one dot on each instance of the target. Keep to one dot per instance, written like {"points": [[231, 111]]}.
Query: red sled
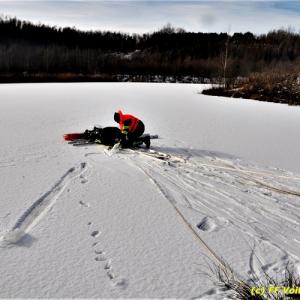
{"points": [[73, 136]]}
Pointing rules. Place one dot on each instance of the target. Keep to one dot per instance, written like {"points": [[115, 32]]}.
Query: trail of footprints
{"points": [[101, 257]]}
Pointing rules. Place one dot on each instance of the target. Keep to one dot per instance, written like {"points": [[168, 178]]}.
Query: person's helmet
{"points": [[117, 117]]}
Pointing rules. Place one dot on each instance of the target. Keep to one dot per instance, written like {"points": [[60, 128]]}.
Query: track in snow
{"points": [[104, 260], [40, 207], [262, 203]]}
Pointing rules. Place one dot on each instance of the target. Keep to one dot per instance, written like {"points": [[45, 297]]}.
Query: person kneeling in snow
{"points": [[132, 129]]}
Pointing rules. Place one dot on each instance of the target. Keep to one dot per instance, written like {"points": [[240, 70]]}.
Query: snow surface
{"points": [[77, 223]]}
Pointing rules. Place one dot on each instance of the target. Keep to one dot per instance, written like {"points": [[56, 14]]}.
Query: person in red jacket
{"points": [[131, 128]]}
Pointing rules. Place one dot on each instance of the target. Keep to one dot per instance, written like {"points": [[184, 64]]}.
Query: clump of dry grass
{"points": [[224, 277], [273, 86]]}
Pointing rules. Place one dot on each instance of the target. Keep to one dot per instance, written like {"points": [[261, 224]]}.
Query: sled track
{"points": [[171, 158], [209, 185], [172, 201], [41, 206], [259, 181], [243, 194]]}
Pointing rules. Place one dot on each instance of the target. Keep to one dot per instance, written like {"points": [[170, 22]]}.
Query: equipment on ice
{"points": [[107, 136]]}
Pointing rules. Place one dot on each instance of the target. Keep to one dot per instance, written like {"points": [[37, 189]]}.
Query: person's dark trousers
{"points": [[133, 136]]}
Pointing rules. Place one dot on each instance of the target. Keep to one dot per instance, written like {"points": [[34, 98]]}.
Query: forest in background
{"points": [[242, 62], [28, 48]]}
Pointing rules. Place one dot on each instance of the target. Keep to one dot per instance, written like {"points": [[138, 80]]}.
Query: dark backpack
{"points": [[110, 136], [106, 136]]}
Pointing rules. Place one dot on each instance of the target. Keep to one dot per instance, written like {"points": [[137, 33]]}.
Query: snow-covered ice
{"points": [[78, 223]]}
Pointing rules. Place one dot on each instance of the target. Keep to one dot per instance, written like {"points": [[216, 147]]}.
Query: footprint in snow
{"points": [[207, 224], [95, 233], [83, 179], [101, 257], [111, 275], [84, 204], [267, 267], [120, 283], [108, 265], [116, 280]]}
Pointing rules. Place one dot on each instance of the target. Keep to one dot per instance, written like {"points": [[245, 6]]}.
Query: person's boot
{"points": [[147, 141]]}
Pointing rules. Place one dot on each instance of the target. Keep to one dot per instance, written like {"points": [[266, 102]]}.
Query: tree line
{"points": [[27, 48]]}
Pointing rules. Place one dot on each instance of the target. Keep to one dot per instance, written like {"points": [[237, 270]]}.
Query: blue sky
{"points": [[138, 16]]}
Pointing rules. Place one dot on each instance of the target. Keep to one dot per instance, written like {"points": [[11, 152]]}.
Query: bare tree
{"points": [[224, 59]]}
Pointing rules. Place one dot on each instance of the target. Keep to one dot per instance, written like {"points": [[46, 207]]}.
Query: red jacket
{"points": [[128, 123]]}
